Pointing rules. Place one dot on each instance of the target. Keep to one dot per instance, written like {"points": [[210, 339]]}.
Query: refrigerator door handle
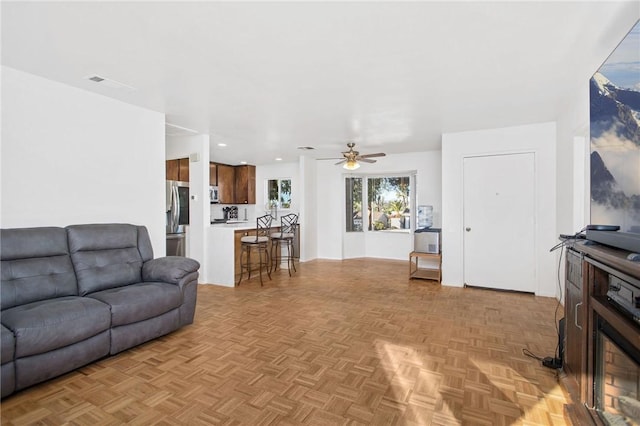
{"points": [[175, 205]]}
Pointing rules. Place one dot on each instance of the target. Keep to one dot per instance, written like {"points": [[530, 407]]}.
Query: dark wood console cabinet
{"points": [[587, 271], [575, 356]]}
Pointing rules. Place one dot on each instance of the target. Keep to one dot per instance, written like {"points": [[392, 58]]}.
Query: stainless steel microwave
{"points": [[214, 195]]}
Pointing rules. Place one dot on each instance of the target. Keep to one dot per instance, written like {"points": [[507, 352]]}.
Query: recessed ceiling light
{"points": [[278, 159], [306, 148], [222, 145]]}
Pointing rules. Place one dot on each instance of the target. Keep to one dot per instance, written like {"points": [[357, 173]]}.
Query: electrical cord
{"points": [[527, 352], [556, 361], [558, 355]]}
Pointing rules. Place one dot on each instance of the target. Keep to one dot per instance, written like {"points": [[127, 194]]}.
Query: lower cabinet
{"points": [[237, 248], [575, 351], [238, 253], [602, 348]]}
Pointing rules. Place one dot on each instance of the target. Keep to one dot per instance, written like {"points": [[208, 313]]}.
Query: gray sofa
{"points": [[70, 296]]}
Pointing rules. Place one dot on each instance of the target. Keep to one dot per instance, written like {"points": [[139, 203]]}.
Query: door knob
{"points": [[468, 229]]}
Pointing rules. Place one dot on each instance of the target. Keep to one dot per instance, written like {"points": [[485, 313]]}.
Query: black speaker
{"points": [[561, 326]]}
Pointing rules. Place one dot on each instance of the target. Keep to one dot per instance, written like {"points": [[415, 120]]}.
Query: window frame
{"points": [[365, 200], [278, 204]]}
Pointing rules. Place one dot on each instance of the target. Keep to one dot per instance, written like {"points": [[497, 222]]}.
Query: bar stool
{"points": [[259, 242], [284, 238]]}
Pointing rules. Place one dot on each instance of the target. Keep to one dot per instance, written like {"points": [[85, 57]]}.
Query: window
{"points": [[388, 203], [279, 193], [354, 204]]}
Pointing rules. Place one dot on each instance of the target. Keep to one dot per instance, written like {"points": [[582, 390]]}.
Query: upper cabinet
{"points": [[245, 184], [226, 184], [213, 174], [178, 169], [236, 185]]}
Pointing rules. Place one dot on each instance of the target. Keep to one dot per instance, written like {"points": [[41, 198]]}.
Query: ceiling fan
{"points": [[352, 157]]}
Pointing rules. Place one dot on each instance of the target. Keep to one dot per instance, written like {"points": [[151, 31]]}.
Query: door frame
{"points": [[535, 210]]}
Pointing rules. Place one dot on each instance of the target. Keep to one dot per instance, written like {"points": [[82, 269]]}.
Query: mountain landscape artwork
{"points": [[615, 137]]}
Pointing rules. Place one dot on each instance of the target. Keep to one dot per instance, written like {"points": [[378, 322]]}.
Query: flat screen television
{"points": [[615, 143]]}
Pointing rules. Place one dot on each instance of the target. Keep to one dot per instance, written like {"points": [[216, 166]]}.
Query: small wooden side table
{"points": [[426, 273]]}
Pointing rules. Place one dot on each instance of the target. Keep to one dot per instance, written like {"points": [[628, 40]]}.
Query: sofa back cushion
{"points": [[108, 255], [36, 265]]}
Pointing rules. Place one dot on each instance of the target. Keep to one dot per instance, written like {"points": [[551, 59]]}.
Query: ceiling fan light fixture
{"points": [[351, 165]]}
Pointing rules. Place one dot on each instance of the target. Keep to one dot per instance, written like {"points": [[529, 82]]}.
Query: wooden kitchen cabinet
{"points": [[183, 170], [237, 249], [213, 174], [236, 185], [178, 170], [226, 184], [245, 184], [172, 167]]}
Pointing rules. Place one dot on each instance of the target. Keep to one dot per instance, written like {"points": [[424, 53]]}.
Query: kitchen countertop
{"points": [[238, 226]]}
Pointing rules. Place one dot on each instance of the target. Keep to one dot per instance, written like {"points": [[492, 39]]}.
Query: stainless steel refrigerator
{"points": [[177, 217]]}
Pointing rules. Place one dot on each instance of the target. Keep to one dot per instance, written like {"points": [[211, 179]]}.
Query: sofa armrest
{"points": [[169, 269]]}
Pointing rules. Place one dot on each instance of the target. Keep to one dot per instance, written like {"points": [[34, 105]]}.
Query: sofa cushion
{"points": [[23, 243], [51, 324], [139, 302], [106, 255], [8, 343], [35, 266]]}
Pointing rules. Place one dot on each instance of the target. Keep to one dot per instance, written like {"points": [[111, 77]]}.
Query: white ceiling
{"points": [[266, 78]]}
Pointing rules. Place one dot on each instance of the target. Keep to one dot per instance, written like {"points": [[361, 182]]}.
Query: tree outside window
{"points": [[388, 199], [354, 204], [388, 203], [279, 193]]}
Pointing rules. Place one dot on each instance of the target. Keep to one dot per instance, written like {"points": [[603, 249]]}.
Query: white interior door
{"points": [[499, 212]]}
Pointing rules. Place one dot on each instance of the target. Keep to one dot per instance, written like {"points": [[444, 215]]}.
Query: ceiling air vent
{"points": [[106, 82]]}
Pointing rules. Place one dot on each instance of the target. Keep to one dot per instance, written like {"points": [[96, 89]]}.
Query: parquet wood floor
{"points": [[341, 342]]}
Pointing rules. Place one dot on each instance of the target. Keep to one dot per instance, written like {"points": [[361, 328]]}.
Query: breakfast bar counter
{"points": [[223, 251]]}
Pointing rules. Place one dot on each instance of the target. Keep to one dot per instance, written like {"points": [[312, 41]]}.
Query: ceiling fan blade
{"points": [[341, 162], [329, 158], [377, 154], [366, 160]]}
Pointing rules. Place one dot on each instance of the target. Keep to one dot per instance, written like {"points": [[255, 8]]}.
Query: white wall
{"points": [[537, 138], [196, 148], [70, 156], [308, 208], [334, 243], [573, 191], [573, 163]]}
